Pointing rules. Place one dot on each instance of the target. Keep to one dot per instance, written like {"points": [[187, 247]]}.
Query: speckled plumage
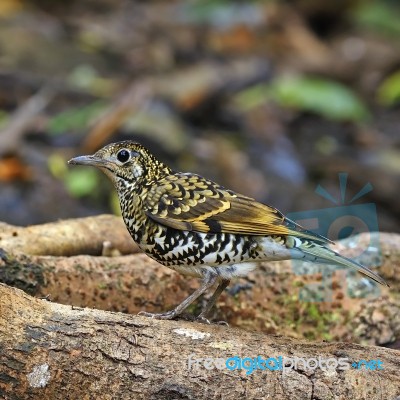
{"points": [[198, 227]]}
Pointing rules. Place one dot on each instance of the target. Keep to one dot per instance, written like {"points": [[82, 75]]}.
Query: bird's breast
{"points": [[172, 247], [179, 248]]}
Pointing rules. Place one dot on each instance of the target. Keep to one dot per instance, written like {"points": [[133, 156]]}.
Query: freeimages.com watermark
{"points": [[281, 363]]}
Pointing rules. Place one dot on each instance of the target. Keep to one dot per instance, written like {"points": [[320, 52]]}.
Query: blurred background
{"points": [[269, 98]]}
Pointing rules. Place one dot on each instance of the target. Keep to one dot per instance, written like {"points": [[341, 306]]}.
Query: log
{"points": [[128, 283], [268, 300], [53, 351], [133, 283], [69, 237]]}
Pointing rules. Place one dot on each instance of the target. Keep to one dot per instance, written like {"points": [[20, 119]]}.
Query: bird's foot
{"points": [[166, 315], [172, 314], [203, 320]]}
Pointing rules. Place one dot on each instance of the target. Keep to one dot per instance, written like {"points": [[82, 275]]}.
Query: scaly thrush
{"points": [[199, 228]]}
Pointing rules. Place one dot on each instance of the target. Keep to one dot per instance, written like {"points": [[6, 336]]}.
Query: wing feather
{"points": [[190, 202]]}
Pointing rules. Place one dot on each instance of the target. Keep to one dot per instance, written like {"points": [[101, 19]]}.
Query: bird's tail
{"points": [[310, 251]]}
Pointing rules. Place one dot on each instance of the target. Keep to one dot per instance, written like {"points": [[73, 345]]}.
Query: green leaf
{"points": [[75, 119], [327, 98], [222, 13], [57, 165], [85, 77], [4, 118], [379, 16], [389, 90], [114, 203], [81, 181], [252, 97]]}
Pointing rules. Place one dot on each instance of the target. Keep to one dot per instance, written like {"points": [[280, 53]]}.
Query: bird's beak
{"points": [[88, 160]]}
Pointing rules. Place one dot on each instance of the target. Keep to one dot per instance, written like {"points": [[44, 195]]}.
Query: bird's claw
{"points": [[204, 320], [171, 315], [167, 315]]}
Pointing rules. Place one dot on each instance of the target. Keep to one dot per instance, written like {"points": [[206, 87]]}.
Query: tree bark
{"points": [[129, 283], [52, 351]]}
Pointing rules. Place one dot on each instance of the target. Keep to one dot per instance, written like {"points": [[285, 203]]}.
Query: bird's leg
{"points": [[221, 287], [208, 281]]}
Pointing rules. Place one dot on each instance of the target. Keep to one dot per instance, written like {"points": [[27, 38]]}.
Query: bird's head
{"points": [[125, 163]]}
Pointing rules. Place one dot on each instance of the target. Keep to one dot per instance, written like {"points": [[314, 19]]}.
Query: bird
{"points": [[200, 228]]}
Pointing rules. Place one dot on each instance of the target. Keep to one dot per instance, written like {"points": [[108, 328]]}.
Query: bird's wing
{"points": [[190, 202]]}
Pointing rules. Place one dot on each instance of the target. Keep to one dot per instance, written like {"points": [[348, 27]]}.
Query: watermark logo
{"points": [[346, 218], [281, 363]]}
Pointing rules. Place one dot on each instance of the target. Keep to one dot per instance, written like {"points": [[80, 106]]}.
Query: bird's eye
{"points": [[123, 156]]}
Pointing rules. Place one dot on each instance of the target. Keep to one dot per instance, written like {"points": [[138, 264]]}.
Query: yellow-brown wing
{"points": [[190, 202]]}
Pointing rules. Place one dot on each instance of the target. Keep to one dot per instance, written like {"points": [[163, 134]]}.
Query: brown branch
{"points": [[69, 237], [51, 351], [130, 101], [22, 119]]}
